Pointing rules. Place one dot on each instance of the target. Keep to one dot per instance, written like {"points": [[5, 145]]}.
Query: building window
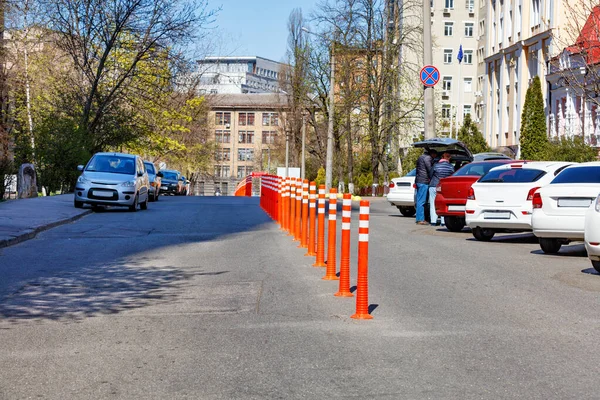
{"points": [[447, 83], [245, 154], [469, 29], [270, 119], [222, 136], [222, 171], [448, 3], [246, 137], [223, 154], [240, 172], [468, 56], [466, 110], [446, 111], [268, 137], [447, 56], [448, 28], [222, 118], [213, 91], [246, 119], [470, 5], [468, 85]]}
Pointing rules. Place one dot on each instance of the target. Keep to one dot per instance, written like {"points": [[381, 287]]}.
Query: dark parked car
{"points": [[172, 182]]}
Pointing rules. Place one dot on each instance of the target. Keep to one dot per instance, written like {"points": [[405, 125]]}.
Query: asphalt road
{"points": [[205, 298]]}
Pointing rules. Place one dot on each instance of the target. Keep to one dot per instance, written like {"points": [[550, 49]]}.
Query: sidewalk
{"points": [[23, 219]]}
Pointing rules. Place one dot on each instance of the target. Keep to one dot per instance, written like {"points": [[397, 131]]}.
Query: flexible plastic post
{"points": [[320, 261], [362, 281], [312, 218], [331, 235], [344, 290], [304, 222]]}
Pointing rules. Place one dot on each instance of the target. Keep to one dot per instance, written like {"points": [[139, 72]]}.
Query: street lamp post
{"points": [[330, 110]]}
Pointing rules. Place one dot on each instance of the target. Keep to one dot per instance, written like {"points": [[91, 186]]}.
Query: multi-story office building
{"points": [[230, 75], [455, 24], [519, 43], [248, 131]]}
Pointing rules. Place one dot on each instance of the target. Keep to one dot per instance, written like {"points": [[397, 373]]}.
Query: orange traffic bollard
{"points": [[284, 203], [331, 233], [304, 222], [344, 290], [320, 262], [298, 224], [292, 224], [362, 281], [312, 219]]}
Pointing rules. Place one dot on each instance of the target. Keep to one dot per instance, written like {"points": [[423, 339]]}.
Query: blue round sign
{"points": [[429, 75]]}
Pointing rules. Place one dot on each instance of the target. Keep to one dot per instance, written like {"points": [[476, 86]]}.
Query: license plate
{"points": [[456, 208], [497, 215], [99, 193], [574, 202]]}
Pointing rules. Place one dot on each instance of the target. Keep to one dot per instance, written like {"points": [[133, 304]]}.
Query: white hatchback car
{"points": [[500, 201], [559, 208], [592, 233], [402, 193]]}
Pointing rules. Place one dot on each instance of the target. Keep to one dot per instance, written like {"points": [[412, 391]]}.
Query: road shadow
{"points": [[353, 289], [372, 308], [95, 290], [517, 238], [573, 250], [84, 279], [590, 271]]}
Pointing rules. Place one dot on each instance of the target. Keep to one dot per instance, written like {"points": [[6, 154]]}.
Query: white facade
{"points": [[455, 23], [231, 75], [519, 41]]}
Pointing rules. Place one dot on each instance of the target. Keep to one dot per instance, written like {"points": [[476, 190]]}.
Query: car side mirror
{"points": [[159, 174], [140, 173], [80, 168]]}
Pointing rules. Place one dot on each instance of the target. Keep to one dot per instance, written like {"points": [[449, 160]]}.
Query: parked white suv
{"points": [[500, 201], [592, 233], [559, 208]]}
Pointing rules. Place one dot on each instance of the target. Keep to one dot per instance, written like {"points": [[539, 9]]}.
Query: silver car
{"points": [[113, 179]]}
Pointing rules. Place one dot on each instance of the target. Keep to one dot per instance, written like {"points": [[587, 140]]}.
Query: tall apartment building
{"points": [[248, 130], [230, 75], [455, 24], [519, 42]]}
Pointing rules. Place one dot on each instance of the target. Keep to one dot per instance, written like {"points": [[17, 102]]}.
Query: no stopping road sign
{"points": [[429, 75]]}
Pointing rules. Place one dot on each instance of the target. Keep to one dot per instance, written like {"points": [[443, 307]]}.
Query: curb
{"points": [[31, 234]]}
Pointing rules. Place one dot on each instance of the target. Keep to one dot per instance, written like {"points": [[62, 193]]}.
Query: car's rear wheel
{"points": [[454, 224], [407, 211], [484, 235], [596, 265], [78, 204], [144, 205], [550, 246], [133, 207]]}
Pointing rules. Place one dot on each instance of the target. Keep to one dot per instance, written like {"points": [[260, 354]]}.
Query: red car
{"points": [[452, 191]]}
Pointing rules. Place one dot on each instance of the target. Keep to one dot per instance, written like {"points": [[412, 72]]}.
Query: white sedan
{"points": [[592, 233], [500, 201], [559, 208], [402, 193]]}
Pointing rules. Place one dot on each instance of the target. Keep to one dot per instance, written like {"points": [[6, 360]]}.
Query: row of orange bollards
{"points": [[294, 204]]}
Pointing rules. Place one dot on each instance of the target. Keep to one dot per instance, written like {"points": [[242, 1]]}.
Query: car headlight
{"points": [[597, 205], [173, 184], [82, 179], [128, 184]]}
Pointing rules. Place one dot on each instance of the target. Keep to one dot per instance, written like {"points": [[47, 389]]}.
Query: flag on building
{"points": [[460, 54]]}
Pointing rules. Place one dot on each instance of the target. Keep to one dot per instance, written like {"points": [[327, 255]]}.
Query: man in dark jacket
{"points": [[441, 169], [424, 168]]}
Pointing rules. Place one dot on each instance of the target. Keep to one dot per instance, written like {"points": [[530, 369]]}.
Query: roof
{"points": [[248, 100], [212, 59], [588, 41]]}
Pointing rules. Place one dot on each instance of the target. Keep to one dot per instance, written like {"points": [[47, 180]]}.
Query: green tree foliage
{"points": [[470, 135], [409, 161], [534, 140], [320, 179], [567, 149]]}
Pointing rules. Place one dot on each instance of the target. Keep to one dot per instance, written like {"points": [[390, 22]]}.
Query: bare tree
{"points": [[110, 41]]}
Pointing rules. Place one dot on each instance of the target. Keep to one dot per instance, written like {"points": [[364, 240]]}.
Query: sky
{"points": [[256, 27]]}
